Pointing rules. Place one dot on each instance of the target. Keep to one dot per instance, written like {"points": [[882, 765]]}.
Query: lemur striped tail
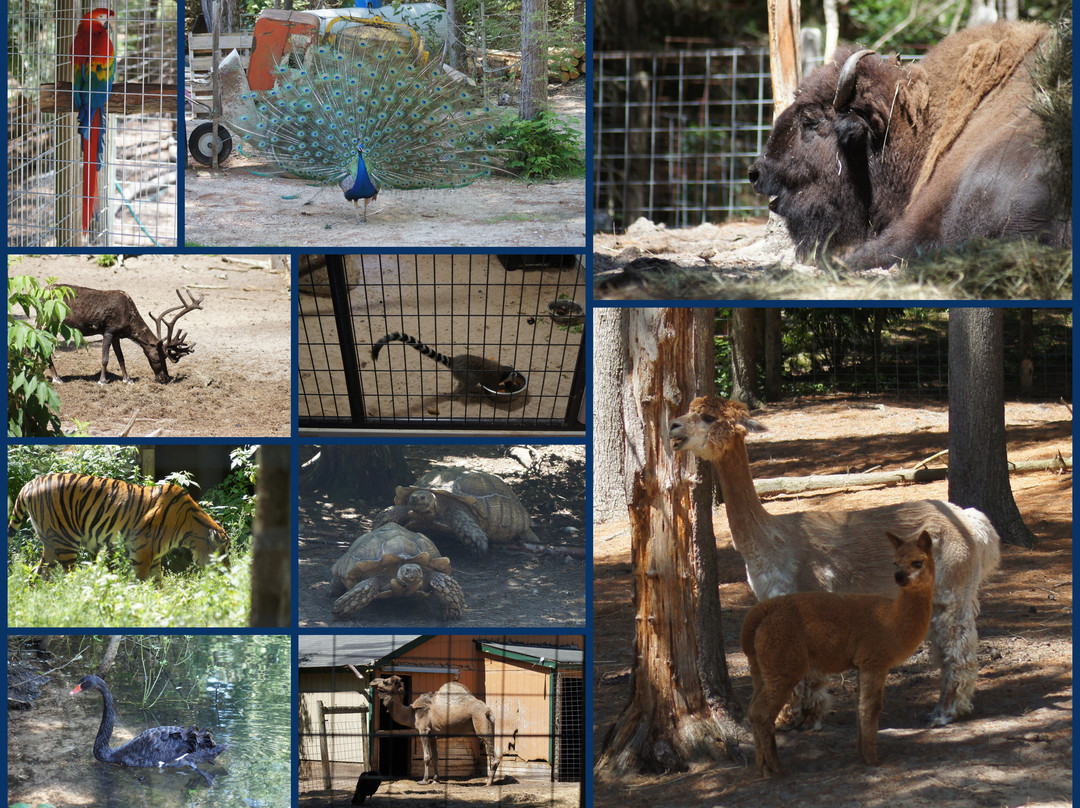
{"points": [[421, 347]]}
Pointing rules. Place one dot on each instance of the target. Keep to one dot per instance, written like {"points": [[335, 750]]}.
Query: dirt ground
{"points": [[1016, 750], [235, 384], [238, 208], [507, 587], [453, 793]]}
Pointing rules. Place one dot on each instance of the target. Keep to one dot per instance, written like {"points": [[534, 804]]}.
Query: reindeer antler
{"points": [[175, 347]]}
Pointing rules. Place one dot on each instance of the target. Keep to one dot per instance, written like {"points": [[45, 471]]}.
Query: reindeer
{"points": [[113, 314]]}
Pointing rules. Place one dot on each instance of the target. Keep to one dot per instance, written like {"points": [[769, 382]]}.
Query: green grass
{"points": [[95, 594]]}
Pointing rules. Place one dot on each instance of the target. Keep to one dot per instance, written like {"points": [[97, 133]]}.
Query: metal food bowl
{"points": [[566, 312], [513, 387]]}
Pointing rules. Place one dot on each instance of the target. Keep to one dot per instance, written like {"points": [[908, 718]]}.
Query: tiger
{"points": [[69, 511]]}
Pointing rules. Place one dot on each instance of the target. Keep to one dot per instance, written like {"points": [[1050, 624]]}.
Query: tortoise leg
{"points": [[357, 598], [399, 514], [448, 593], [463, 524]]}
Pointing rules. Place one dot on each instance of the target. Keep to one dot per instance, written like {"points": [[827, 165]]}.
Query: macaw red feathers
{"points": [[94, 68]]}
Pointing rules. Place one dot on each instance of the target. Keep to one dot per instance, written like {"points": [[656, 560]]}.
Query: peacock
{"points": [[378, 117]]}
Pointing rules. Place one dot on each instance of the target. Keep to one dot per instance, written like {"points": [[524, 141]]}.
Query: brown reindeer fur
{"points": [[786, 637], [845, 551], [113, 314]]}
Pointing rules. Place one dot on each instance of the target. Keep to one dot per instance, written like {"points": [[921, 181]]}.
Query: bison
{"points": [[877, 161]]}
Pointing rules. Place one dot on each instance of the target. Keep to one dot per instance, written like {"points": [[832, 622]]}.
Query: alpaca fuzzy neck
{"points": [[913, 609], [747, 517]]}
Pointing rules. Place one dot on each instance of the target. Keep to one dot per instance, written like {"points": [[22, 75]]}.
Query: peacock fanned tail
{"points": [[376, 118]]}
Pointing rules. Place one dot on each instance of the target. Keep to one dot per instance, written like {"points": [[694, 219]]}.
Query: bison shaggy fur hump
{"points": [[918, 156]]}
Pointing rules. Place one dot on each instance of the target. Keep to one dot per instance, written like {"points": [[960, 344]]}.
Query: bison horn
{"points": [[845, 85]]}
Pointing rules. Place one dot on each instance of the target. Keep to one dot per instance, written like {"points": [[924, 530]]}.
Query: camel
{"points": [[450, 710], [845, 551], [785, 637]]}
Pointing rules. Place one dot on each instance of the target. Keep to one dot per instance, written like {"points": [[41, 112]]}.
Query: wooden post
{"points": [[324, 747], [784, 55], [68, 182], [215, 84]]}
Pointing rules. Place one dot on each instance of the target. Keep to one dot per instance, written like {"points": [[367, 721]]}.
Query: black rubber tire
{"points": [[200, 144]]}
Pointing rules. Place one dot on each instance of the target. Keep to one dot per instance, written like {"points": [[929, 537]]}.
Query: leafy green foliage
{"points": [[544, 146], [232, 502], [906, 22], [96, 593], [33, 404]]}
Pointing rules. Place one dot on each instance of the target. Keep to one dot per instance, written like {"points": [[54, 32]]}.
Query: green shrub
{"points": [[232, 501], [542, 147], [33, 404]]}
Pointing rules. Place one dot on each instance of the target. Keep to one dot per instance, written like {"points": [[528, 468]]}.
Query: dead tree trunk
{"points": [[107, 659], [785, 67], [682, 709], [784, 57], [978, 467]]}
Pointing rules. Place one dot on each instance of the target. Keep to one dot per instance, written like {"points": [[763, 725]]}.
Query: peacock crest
{"points": [[376, 117]]}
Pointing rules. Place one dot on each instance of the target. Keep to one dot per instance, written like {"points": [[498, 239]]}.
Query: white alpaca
{"points": [[845, 551]]}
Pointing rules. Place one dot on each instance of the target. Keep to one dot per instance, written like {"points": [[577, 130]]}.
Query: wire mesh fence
{"points": [[676, 132], [441, 341], [372, 708], [903, 352], [136, 194]]}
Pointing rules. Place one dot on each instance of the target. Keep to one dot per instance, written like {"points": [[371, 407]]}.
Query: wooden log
{"points": [[817, 482], [125, 99]]}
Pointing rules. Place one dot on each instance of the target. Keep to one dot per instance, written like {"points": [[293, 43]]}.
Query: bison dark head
{"points": [[823, 166]]}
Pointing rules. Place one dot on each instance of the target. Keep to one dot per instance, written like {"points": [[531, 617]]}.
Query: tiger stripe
{"points": [[69, 511]]}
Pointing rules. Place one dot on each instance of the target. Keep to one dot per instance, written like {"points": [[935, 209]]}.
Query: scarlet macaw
{"points": [[95, 66]]}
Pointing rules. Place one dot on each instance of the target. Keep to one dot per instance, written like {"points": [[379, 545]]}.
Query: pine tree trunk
{"points": [[533, 58], [978, 469], [343, 473], [455, 47], [682, 709], [774, 355], [610, 489], [744, 357]]}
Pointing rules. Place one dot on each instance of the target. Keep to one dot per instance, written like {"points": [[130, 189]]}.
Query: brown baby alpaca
{"points": [[785, 637]]}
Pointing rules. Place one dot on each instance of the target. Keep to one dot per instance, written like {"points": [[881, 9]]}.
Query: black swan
{"points": [[160, 747]]}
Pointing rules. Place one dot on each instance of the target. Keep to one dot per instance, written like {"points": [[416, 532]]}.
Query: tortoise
{"points": [[473, 506], [390, 562]]}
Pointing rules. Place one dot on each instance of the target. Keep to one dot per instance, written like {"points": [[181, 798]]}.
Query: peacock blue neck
{"points": [[362, 187]]}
